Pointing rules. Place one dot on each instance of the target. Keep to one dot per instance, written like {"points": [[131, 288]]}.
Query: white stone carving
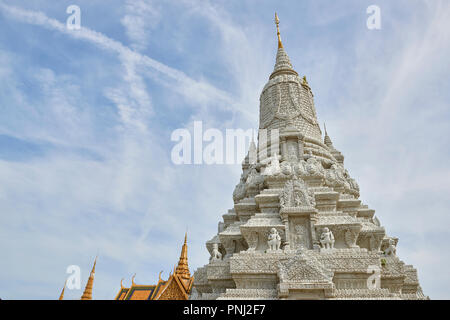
{"points": [[391, 250], [215, 254], [274, 240], [350, 237], [314, 167], [327, 239], [301, 236], [296, 194], [316, 195], [274, 167], [286, 168], [292, 153]]}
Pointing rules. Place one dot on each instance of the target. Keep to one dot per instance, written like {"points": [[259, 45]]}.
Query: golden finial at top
{"points": [[61, 297], [87, 294], [277, 22], [305, 82]]}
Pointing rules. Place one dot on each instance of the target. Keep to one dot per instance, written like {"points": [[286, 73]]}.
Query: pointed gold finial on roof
{"points": [[159, 276], [182, 269], [277, 22], [132, 279], [87, 294], [305, 82], [61, 297], [121, 284]]}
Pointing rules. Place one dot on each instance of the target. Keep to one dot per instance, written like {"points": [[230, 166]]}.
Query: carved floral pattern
{"points": [[296, 194]]}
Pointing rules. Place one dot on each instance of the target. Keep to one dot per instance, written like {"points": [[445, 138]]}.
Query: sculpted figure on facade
{"points": [[314, 167], [352, 184], [342, 176], [286, 168], [274, 240], [327, 239], [331, 177], [391, 250], [299, 168], [292, 153], [337, 176], [215, 254]]}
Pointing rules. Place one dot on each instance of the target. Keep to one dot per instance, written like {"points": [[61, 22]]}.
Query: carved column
{"points": [[285, 221], [283, 149], [315, 239]]}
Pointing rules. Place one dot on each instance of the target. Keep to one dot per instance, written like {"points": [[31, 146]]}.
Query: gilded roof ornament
{"points": [[61, 297], [277, 22], [87, 294], [183, 269], [305, 82]]}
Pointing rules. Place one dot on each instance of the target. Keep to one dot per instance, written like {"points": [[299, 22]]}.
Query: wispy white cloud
{"points": [[196, 91], [141, 17]]}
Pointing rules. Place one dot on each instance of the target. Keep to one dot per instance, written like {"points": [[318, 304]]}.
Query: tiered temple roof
{"points": [[176, 287]]}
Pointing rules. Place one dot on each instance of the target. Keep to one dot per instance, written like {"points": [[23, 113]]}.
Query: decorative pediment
{"points": [[301, 269], [296, 194]]}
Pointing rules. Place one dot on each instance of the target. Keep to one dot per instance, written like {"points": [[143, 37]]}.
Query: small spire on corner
{"points": [[305, 82]]}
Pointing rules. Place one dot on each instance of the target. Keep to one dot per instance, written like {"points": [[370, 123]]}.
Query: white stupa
{"points": [[298, 229]]}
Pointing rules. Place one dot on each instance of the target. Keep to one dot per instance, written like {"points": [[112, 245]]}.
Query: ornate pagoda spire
{"points": [[283, 63], [327, 139], [87, 294], [336, 153], [182, 269], [61, 297]]}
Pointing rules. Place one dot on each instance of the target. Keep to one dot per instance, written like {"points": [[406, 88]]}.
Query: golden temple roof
{"points": [[87, 294], [176, 287]]}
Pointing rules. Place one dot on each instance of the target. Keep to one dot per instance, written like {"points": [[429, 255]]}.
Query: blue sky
{"points": [[86, 118]]}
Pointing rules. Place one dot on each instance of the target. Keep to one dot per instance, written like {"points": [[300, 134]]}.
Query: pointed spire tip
{"points": [[277, 22]]}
